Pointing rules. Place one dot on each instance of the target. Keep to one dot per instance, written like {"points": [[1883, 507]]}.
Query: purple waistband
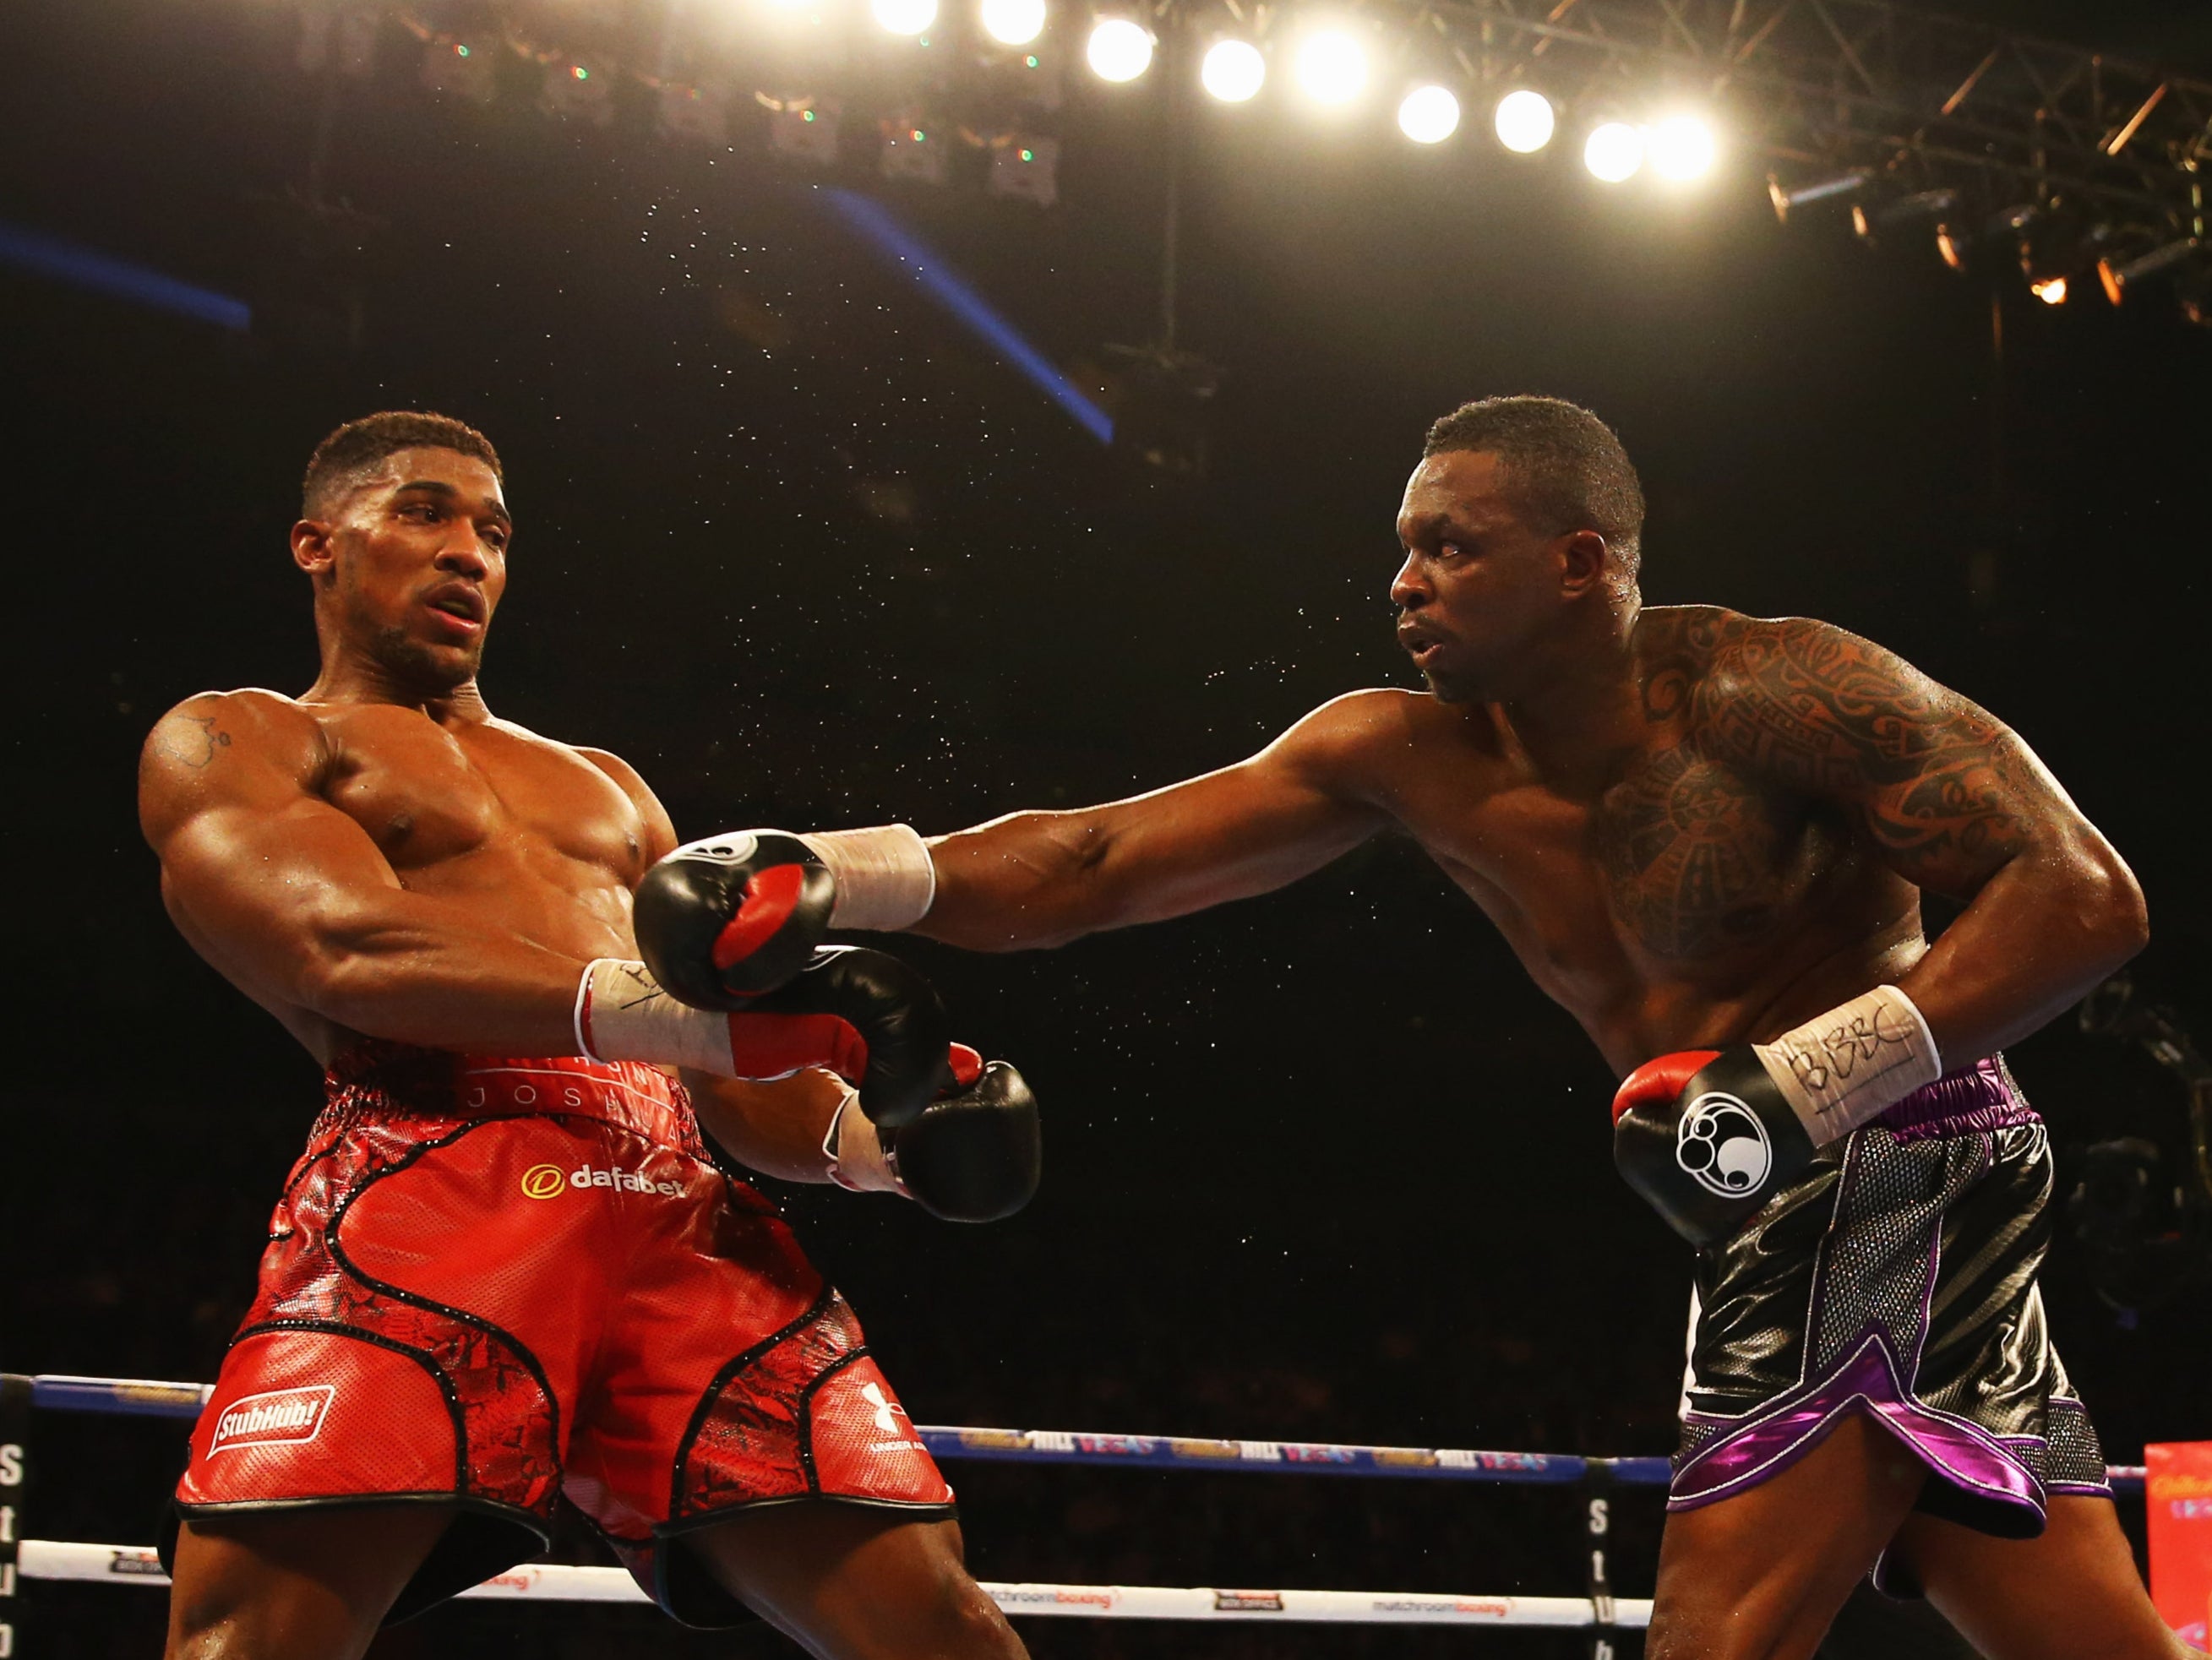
{"points": [[1982, 1097]]}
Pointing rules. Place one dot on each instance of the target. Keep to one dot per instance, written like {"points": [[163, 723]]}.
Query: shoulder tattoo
{"points": [[190, 740], [1822, 711]]}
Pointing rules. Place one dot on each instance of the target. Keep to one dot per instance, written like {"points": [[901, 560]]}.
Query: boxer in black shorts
{"points": [[1707, 835]]}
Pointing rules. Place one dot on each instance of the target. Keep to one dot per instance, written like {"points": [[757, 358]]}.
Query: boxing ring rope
{"points": [[55, 1559]]}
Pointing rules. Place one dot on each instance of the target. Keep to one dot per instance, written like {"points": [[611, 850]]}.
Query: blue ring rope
{"points": [[138, 1397]]}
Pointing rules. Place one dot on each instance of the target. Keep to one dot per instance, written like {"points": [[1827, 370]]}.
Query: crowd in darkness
{"points": [[1324, 1166]]}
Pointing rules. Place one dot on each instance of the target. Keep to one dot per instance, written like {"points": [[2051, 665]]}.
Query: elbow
{"points": [[332, 981], [2114, 904], [344, 967]]}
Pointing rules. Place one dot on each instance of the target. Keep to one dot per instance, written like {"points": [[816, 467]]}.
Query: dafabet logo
{"points": [[543, 1182], [551, 1182]]}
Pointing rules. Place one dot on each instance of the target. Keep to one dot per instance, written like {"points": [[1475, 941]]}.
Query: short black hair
{"points": [[341, 458], [1564, 468]]}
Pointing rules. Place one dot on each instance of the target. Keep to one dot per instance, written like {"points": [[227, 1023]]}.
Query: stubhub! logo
{"points": [[273, 1417]]}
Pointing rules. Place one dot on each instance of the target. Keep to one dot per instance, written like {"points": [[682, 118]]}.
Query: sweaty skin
{"points": [[383, 856], [1694, 828]]}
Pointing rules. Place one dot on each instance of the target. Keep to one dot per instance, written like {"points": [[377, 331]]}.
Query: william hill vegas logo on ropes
{"points": [[551, 1182], [273, 1417]]}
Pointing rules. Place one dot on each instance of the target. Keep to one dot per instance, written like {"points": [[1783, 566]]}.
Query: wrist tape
{"points": [[1852, 1063], [622, 1014], [886, 879], [869, 1165]]}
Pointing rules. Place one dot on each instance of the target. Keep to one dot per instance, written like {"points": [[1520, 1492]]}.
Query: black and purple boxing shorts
{"points": [[1897, 1277]]}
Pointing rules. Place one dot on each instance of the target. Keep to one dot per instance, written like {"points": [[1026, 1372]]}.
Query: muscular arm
{"points": [[1957, 805], [775, 1128], [296, 905], [1042, 879]]}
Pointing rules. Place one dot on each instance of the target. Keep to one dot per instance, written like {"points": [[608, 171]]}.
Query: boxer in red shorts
{"points": [[491, 1281]]}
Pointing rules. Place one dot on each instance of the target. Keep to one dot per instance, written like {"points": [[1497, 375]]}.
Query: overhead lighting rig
{"points": [[1909, 119]]}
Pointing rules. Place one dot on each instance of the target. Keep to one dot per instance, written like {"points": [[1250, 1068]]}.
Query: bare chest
{"points": [[480, 800], [1682, 864]]}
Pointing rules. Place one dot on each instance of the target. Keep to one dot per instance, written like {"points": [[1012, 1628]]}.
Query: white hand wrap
{"points": [[622, 1014], [886, 879], [858, 1159], [1853, 1062]]}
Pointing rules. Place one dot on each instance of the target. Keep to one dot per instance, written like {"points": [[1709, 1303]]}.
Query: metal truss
{"points": [[1835, 85]]}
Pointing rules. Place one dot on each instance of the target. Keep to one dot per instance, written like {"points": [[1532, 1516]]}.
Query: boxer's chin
{"points": [[1448, 689], [431, 670]]}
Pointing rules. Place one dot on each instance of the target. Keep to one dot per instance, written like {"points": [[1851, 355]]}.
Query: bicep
{"points": [[1246, 829], [253, 862], [1242, 830]]}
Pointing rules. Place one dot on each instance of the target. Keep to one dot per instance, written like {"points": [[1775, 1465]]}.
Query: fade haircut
{"points": [[342, 459], [1564, 468]]}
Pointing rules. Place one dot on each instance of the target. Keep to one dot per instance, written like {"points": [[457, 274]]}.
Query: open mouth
{"points": [[1418, 644], [463, 607]]}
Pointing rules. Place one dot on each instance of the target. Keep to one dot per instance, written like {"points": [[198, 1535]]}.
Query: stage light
{"points": [[1119, 50], [2056, 255], [2118, 276], [1682, 147], [1872, 224], [2196, 297], [1233, 70], [1332, 67], [1524, 121], [1788, 198], [1025, 168], [903, 16], [1014, 22], [1428, 115], [1614, 152], [1952, 246]]}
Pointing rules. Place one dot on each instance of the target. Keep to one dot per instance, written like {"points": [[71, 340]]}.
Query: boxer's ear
{"points": [[1583, 559], [313, 549]]}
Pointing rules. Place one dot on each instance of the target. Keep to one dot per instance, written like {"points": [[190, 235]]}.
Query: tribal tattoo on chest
{"points": [[1779, 748]]}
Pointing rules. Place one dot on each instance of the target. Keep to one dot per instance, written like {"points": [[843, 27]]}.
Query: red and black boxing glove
{"points": [[864, 1015], [975, 1154], [1708, 1136], [731, 917], [734, 915]]}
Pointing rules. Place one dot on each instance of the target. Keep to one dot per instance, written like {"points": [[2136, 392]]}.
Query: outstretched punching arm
{"points": [[1042, 879], [1957, 805], [725, 915]]}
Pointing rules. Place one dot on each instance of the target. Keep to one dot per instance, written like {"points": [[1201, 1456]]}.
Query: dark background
{"points": [[1323, 1165]]}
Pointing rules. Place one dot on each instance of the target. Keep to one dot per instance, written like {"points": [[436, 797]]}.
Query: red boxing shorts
{"points": [[489, 1283]]}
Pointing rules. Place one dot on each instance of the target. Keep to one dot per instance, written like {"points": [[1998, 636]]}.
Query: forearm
{"points": [[1026, 880], [775, 1128], [398, 968], [2038, 937]]}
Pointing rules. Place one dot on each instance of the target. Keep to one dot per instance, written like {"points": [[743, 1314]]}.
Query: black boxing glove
{"points": [[867, 1017], [975, 1154], [732, 916], [1708, 1136]]}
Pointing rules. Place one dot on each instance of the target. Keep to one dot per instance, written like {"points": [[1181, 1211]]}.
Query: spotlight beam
{"points": [[875, 226], [100, 273]]}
